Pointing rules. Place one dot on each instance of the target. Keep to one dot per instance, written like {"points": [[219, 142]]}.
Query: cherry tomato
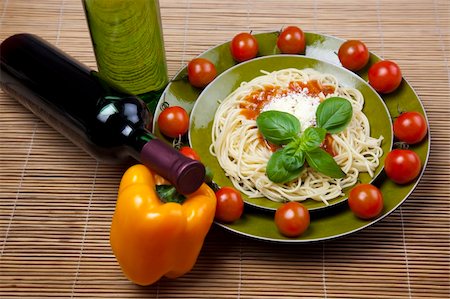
{"points": [[244, 47], [190, 153], [385, 76], [173, 121], [353, 55], [230, 205], [410, 127], [291, 41], [402, 166], [365, 201], [201, 72], [292, 219]]}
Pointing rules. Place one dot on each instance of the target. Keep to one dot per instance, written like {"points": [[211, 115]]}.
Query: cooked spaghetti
{"points": [[243, 153]]}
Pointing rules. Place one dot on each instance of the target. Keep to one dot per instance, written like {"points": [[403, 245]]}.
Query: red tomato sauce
{"points": [[327, 145], [255, 101], [272, 147]]}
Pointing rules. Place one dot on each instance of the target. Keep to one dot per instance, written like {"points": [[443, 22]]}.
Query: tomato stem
{"points": [[399, 110], [401, 145], [177, 143]]}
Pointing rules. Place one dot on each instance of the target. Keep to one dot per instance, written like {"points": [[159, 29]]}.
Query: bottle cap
{"points": [[184, 173]]}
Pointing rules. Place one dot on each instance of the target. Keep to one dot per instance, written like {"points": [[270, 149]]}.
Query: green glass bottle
{"points": [[128, 44]]}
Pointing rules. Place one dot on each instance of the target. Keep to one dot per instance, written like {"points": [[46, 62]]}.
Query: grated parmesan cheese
{"points": [[299, 104]]}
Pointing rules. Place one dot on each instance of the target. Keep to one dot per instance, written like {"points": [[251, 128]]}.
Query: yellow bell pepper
{"points": [[150, 238]]}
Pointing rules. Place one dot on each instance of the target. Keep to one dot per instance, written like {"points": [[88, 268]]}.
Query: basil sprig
{"points": [[281, 128]]}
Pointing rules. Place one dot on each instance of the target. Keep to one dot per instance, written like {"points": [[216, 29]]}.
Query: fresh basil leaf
{"points": [[276, 170], [294, 157], [334, 114], [292, 147], [293, 163], [312, 138], [324, 163], [278, 127]]}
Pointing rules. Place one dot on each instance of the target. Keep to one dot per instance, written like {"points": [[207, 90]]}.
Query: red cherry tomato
{"points": [[230, 205], [410, 127], [190, 153], [173, 121], [402, 166], [244, 47], [291, 41], [353, 55], [201, 72], [365, 201], [385, 76], [292, 219]]}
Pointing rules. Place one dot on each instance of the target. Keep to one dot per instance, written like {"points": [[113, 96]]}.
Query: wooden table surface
{"points": [[56, 202]]}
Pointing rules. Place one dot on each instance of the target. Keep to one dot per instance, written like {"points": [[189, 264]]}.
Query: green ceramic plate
{"points": [[328, 223], [203, 112]]}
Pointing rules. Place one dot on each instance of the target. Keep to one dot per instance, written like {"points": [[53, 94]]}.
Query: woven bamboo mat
{"points": [[56, 202]]}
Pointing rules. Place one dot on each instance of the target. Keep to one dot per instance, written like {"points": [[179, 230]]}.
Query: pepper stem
{"points": [[168, 193]]}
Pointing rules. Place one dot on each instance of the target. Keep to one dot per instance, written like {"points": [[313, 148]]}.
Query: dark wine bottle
{"points": [[95, 115]]}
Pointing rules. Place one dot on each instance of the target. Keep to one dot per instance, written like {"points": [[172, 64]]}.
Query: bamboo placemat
{"points": [[56, 202]]}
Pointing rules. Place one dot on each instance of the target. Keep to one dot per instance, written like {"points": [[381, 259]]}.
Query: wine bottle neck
{"points": [[142, 138]]}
